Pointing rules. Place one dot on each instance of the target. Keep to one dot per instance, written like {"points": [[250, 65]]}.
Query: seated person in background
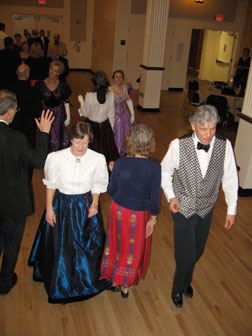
{"points": [[242, 69]]}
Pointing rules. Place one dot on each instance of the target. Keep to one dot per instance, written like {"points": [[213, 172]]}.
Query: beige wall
{"points": [[103, 35], [182, 29], [209, 68], [177, 40], [76, 59]]}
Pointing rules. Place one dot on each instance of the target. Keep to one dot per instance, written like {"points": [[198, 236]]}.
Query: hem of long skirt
{"points": [[130, 284], [71, 300]]}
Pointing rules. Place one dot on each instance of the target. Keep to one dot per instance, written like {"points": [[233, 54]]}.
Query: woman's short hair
{"points": [[118, 71], [205, 114], [8, 100], [24, 43], [141, 140], [59, 64], [80, 129], [36, 50]]}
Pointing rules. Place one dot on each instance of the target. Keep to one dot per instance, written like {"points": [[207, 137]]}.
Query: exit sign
{"points": [[42, 2], [219, 17]]}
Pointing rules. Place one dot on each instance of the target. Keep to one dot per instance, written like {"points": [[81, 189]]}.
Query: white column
{"points": [[153, 55], [243, 144]]}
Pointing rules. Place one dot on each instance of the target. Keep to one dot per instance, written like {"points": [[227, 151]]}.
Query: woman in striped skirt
{"points": [[135, 190]]}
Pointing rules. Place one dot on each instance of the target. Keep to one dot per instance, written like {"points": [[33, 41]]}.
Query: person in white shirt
{"points": [[99, 110], [69, 243], [192, 171], [2, 35]]}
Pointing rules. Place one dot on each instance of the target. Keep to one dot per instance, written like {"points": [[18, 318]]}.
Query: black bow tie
{"points": [[201, 146]]}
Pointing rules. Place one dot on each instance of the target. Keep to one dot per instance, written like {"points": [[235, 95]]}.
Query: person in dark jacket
{"points": [[16, 155], [29, 104]]}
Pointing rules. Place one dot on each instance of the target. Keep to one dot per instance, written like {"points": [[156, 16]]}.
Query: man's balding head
{"points": [[23, 72]]}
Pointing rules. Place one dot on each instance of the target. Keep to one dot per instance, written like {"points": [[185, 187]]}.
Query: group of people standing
{"points": [[71, 254], [107, 109]]}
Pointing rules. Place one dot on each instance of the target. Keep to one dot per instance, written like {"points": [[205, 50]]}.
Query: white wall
{"points": [[177, 41], [76, 59]]}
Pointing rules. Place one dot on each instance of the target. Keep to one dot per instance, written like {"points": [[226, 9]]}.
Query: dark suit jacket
{"points": [[30, 104], [38, 67], [16, 156], [9, 61], [45, 42]]}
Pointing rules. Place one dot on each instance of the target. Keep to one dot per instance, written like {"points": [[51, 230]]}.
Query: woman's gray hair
{"points": [[204, 114], [8, 100]]}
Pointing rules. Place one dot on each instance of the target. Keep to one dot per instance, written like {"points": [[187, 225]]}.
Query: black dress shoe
{"points": [[124, 295], [113, 288], [5, 289], [177, 300], [188, 292]]}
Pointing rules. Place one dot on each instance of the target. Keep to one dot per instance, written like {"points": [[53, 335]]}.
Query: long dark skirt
{"points": [[67, 257], [103, 141]]}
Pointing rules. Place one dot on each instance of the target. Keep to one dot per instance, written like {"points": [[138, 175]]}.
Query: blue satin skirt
{"points": [[67, 257]]}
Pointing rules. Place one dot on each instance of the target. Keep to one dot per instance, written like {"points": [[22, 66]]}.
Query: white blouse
{"points": [[97, 112], [74, 175]]}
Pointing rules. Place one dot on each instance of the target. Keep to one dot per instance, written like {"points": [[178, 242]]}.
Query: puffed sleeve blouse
{"points": [[76, 175]]}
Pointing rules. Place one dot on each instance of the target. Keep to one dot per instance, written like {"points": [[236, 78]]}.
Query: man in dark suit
{"points": [[16, 155], [29, 104], [45, 41], [9, 61]]}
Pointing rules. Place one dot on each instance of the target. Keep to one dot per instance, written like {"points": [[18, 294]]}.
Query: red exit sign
{"points": [[42, 2], [219, 17]]}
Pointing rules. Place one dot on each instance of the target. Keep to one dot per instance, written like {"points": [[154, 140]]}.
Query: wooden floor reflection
{"points": [[222, 302]]}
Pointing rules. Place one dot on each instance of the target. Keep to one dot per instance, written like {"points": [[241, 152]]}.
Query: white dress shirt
{"points": [[74, 175], [229, 180], [97, 112]]}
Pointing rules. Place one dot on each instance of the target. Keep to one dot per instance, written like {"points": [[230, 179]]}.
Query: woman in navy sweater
{"points": [[135, 190]]}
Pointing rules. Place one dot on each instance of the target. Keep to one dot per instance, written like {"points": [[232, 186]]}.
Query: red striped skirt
{"points": [[126, 254]]}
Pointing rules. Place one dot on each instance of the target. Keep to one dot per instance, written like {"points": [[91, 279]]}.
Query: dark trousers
{"points": [[190, 236], [11, 233]]}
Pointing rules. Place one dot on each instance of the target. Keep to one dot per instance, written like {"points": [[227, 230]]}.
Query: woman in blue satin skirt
{"points": [[68, 246]]}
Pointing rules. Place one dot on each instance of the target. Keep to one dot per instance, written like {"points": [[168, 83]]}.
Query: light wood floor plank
{"points": [[222, 302]]}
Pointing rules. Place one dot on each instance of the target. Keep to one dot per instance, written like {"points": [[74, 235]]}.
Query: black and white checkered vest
{"points": [[197, 195]]}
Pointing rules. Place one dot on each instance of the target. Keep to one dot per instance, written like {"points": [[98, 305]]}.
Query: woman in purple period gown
{"points": [[54, 93], [123, 117]]}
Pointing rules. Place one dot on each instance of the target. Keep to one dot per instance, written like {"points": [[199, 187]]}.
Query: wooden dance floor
{"points": [[222, 302]]}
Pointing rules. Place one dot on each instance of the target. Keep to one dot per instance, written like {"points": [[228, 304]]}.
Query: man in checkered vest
{"points": [[192, 171]]}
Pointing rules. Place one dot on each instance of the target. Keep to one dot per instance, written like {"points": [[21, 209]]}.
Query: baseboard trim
{"points": [[142, 109], [84, 70], [244, 192], [176, 89]]}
